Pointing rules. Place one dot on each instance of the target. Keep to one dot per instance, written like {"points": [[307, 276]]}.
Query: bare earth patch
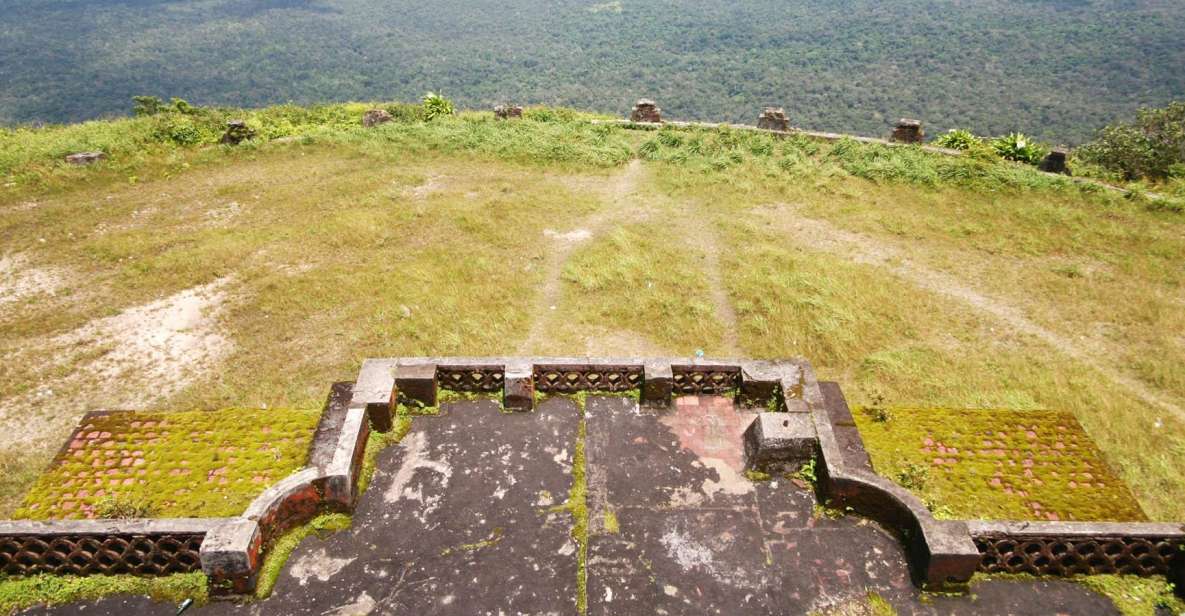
{"points": [[131, 360], [19, 281]]}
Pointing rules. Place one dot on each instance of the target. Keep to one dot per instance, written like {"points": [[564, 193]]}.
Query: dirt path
{"points": [[698, 233], [618, 202], [822, 236]]}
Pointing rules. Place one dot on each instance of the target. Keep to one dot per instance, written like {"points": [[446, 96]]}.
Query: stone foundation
{"points": [[646, 110], [773, 118], [508, 112], [908, 131]]}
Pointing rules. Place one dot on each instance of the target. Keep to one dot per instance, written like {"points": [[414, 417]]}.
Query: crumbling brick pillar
{"points": [[1055, 162], [908, 131], [646, 110], [508, 112], [773, 118]]}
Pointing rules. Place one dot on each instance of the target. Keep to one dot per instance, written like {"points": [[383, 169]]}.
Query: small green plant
{"points": [[958, 139], [1018, 147], [122, 507], [913, 476], [436, 106], [808, 472]]}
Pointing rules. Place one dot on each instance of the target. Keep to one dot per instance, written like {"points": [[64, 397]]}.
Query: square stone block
{"points": [[779, 442], [416, 384], [518, 387], [657, 384]]}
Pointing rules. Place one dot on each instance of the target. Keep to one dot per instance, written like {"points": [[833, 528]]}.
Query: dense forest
{"points": [[1056, 69]]}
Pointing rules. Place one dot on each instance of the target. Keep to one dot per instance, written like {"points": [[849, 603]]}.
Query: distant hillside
{"points": [[1056, 69]]}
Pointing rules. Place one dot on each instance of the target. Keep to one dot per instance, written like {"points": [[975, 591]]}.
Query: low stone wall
{"points": [[228, 550], [108, 547], [1080, 548], [948, 552]]}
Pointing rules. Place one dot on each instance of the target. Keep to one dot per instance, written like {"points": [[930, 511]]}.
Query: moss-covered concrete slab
{"points": [[170, 464], [997, 464]]}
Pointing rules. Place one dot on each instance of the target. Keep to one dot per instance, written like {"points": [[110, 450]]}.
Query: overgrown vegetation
{"points": [[1019, 148], [997, 464], [1152, 146], [18, 593], [182, 464], [993, 66]]}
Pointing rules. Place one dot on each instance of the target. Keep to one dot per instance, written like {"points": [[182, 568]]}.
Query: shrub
{"points": [[147, 105], [436, 106], [1018, 147], [1153, 146], [958, 139]]}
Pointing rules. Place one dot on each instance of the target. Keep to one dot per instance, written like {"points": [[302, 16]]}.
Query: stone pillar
{"points": [[657, 384], [518, 387], [508, 112], [1055, 162], [908, 131], [374, 117], [646, 110], [237, 132], [416, 384], [773, 118], [230, 556]]}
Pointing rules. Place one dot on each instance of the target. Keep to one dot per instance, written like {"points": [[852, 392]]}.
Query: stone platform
{"points": [[465, 516]]}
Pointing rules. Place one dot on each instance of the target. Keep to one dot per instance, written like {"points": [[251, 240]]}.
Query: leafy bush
{"points": [[1153, 146], [436, 106], [958, 139], [147, 105], [1018, 147]]}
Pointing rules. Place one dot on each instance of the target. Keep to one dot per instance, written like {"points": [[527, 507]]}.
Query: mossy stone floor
{"points": [[170, 464], [996, 464]]}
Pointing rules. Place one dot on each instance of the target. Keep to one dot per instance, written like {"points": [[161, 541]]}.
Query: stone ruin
{"points": [[508, 112], [374, 117], [908, 131], [85, 158], [773, 118], [646, 110], [1055, 162], [237, 132]]}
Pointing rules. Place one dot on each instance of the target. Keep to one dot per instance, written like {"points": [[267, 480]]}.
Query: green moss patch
{"points": [[22, 592], [179, 464], [996, 464]]}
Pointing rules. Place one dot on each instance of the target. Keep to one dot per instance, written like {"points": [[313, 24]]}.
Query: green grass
{"points": [[996, 464], [1132, 595], [276, 555], [428, 239], [51, 590], [181, 464]]}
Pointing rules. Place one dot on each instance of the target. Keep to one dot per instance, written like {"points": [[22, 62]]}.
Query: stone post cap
{"points": [[908, 123], [645, 102]]}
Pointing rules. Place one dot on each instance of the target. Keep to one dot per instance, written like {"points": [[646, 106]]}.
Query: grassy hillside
{"points": [[272, 269], [1056, 69]]}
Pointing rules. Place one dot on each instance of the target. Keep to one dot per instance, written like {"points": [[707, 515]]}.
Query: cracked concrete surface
{"points": [[462, 518]]}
